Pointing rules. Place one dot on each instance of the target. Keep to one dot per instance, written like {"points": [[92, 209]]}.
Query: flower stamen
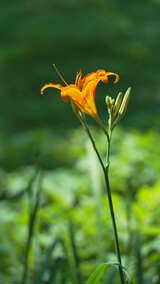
{"points": [[59, 74]]}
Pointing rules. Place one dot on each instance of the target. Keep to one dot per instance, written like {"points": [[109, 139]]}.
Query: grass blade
{"points": [[97, 274]]}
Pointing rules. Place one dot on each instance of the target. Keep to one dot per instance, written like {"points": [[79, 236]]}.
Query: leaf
{"points": [[98, 273]]}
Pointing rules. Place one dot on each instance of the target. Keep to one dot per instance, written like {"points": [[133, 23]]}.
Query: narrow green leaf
{"points": [[98, 273]]}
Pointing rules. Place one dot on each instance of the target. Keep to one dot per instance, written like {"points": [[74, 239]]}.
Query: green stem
{"points": [[93, 144], [102, 126], [108, 154], [112, 211], [105, 171], [114, 226]]}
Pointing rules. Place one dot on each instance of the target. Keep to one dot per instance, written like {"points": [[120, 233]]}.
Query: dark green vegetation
{"points": [[52, 192]]}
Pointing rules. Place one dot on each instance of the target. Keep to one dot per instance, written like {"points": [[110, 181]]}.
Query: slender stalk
{"points": [[102, 126], [105, 171], [114, 226], [93, 144]]}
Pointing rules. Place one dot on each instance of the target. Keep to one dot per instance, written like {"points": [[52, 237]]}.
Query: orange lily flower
{"points": [[83, 91]]}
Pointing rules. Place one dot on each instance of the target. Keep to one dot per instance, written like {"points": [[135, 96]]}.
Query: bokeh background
{"points": [[47, 166]]}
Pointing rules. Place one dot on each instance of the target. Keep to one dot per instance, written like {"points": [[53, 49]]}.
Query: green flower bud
{"points": [[109, 102], [124, 104], [123, 107], [117, 104]]}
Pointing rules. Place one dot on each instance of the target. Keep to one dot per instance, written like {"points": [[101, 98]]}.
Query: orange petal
{"points": [[88, 95], [100, 75], [103, 76], [89, 77], [56, 86], [71, 91], [113, 74], [84, 100]]}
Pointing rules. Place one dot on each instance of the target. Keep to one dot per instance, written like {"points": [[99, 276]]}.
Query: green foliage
{"points": [[72, 232], [72, 192], [97, 274]]}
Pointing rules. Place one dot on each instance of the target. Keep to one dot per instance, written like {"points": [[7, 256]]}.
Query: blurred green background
{"points": [[48, 172]]}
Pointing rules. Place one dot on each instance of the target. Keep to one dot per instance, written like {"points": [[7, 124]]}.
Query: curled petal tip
{"points": [[44, 87], [113, 74], [116, 79], [50, 85]]}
